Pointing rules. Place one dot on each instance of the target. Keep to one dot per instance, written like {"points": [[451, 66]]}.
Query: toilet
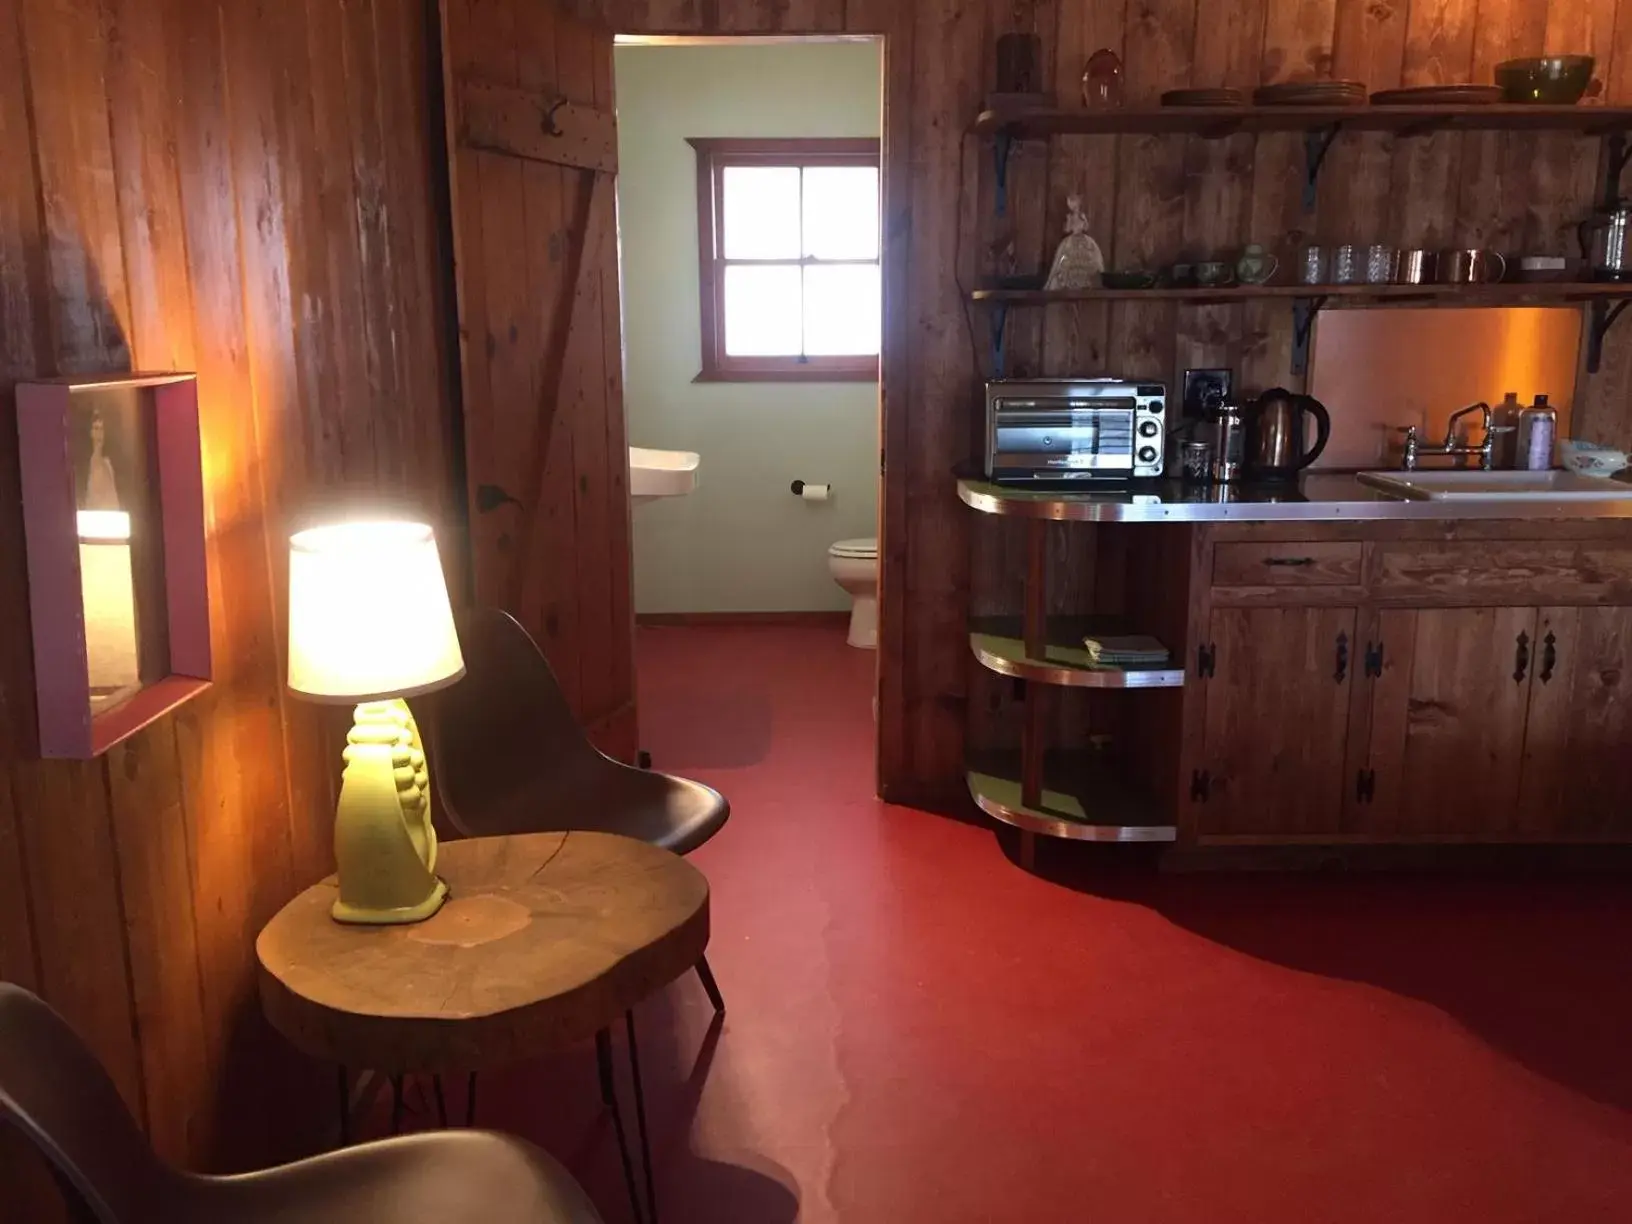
{"points": [[855, 568]]}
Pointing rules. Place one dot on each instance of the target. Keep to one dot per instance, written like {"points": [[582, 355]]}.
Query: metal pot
{"points": [[1606, 242]]}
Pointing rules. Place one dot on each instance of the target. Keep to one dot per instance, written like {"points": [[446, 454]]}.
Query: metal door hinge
{"points": [[1374, 659], [1206, 660], [1201, 786], [1365, 786]]}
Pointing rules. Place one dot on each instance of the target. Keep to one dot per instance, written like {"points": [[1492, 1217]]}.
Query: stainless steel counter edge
{"points": [[1319, 498]]}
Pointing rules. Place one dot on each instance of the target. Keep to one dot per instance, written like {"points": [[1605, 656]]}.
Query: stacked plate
{"points": [[1204, 97], [1311, 93], [1439, 95]]}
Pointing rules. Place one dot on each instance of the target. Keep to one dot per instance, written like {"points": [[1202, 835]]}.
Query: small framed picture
{"points": [[113, 516]]}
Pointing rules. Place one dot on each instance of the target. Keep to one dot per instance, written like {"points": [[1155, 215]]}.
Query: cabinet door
{"points": [[1580, 725], [1447, 722], [1277, 718]]}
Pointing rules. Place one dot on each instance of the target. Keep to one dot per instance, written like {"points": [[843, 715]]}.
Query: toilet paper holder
{"points": [[820, 491]]}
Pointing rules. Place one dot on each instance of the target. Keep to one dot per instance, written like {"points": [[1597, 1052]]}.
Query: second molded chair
{"points": [[57, 1094], [507, 756]]}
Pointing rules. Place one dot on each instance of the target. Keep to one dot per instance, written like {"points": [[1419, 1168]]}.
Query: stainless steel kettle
{"points": [[1277, 437], [1606, 242]]}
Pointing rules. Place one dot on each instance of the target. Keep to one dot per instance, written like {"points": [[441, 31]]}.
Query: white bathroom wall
{"points": [[742, 542]]}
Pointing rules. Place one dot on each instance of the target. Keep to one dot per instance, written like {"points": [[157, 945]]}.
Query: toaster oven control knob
{"points": [[1147, 455], [1149, 429]]}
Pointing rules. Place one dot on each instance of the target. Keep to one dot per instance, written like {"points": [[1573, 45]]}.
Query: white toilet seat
{"points": [[861, 550], [854, 566]]}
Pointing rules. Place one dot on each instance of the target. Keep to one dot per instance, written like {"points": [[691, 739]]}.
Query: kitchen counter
{"points": [[1318, 497]]}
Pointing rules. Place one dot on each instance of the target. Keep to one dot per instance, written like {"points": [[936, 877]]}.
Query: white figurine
{"points": [[1078, 262]]}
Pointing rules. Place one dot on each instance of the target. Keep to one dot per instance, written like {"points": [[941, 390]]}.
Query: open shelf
{"points": [[1216, 122], [1537, 293], [999, 645], [1084, 799]]}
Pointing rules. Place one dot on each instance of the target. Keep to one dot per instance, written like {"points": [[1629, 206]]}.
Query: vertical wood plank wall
{"points": [[246, 190], [1149, 200]]}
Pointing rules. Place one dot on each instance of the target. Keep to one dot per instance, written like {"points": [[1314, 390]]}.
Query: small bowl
{"points": [[1590, 459], [1017, 280], [1128, 280], [1556, 80]]}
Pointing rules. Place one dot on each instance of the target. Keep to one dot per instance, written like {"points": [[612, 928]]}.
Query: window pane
{"points": [[762, 311], [761, 212], [842, 310], [841, 212]]}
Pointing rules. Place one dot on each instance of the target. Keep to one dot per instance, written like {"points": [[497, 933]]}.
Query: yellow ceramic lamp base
{"points": [[384, 844]]}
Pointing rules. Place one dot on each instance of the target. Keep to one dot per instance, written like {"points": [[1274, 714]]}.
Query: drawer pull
{"points": [[1289, 561], [1521, 659], [1549, 657]]}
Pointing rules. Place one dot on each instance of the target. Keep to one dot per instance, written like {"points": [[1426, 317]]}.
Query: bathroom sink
{"points": [[661, 473], [1496, 486]]}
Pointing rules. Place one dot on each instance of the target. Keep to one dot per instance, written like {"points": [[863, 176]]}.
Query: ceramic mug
{"points": [[1467, 267], [1416, 267]]}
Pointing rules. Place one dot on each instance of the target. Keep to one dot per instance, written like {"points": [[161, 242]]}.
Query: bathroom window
{"points": [[788, 248]]}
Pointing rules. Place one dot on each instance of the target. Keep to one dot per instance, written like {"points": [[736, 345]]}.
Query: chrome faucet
{"points": [[1486, 450]]}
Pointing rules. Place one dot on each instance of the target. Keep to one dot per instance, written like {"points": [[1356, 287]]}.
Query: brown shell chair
{"points": [[54, 1091], [508, 756]]}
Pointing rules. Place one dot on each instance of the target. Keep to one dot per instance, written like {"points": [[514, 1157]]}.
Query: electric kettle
{"points": [[1277, 434]]}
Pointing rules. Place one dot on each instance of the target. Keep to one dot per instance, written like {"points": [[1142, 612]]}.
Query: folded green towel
{"points": [[1130, 649]]}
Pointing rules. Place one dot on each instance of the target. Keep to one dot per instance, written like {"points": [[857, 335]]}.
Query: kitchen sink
{"points": [[1496, 486]]}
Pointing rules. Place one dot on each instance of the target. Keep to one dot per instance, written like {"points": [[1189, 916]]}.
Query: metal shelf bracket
{"points": [[1304, 311], [1317, 142], [1002, 143], [1603, 318], [998, 321], [1616, 155]]}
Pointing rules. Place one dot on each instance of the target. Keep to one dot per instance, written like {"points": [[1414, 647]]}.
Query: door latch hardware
{"points": [[1342, 658], [1549, 656], [1206, 660], [1374, 659], [1201, 786], [1521, 659], [1365, 786]]}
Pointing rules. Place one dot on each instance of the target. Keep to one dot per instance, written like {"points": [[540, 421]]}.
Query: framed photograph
{"points": [[113, 516]]}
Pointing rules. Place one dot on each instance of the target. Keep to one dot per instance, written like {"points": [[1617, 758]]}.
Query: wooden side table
{"points": [[547, 939]]}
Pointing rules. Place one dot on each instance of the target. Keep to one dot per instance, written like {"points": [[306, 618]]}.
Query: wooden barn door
{"points": [[533, 149]]}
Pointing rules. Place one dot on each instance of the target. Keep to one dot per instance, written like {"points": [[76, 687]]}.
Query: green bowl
{"points": [[1557, 80]]}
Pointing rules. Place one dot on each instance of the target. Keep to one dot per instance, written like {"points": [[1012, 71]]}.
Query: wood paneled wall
{"points": [[246, 190], [1149, 200]]}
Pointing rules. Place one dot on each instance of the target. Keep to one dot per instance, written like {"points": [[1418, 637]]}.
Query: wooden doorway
{"points": [[532, 146]]}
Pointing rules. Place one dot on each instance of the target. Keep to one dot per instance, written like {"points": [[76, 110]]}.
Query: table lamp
{"points": [[370, 624]]}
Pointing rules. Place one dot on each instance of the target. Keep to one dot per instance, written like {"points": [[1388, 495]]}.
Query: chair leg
{"points": [[345, 1108], [609, 1094], [640, 1118], [710, 986]]}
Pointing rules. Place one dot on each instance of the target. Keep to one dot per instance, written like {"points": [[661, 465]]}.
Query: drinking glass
{"points": [[1381, 263], [1348, 265], [1313, 263]]}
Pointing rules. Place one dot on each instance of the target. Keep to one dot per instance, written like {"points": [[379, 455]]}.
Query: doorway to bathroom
{"points": [[749, 196]]}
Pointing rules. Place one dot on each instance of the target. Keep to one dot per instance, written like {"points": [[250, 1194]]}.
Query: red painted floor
{"points": [[920, 1032]]}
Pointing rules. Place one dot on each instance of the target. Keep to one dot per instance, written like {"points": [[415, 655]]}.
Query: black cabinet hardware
{"points": [[1549, 656], [1201, 786], [1342, 658], [1521, 659], [1206, 660], [1289, 561], [1365, 786], [1374, 659]]}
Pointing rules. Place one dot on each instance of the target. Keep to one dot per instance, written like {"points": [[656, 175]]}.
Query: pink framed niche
{"points": [[113, 519]]}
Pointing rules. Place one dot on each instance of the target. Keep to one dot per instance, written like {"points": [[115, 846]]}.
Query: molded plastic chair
{"points": [[53, 1089], [507, 756]]}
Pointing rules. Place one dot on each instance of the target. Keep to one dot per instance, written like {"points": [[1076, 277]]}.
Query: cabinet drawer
{"points": [[1293, 563], [1519, 572]]}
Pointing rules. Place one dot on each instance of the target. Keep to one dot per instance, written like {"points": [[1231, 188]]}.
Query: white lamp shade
{"points": [[369, 616]]}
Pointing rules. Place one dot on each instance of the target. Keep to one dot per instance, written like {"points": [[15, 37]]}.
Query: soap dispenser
{"points": [[1504, 423]]}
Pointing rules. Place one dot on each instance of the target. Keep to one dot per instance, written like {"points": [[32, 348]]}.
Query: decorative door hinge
{"points": [[1365, 785], [1201, 786], [1206, 660], [1374, 659]]}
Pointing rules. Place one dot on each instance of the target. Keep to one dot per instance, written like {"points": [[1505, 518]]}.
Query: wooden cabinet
{"points": [[1447, 712], [1579, 730], [1487, 694], [1277, 696]]}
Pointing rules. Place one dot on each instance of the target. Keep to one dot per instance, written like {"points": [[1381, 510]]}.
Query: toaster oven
{"points": [[1074, 429]]}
